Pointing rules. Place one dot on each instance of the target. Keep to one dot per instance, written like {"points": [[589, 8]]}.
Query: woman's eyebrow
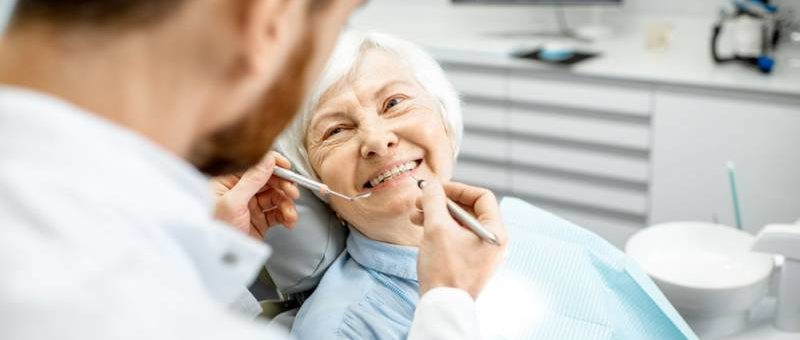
{"points": [[325, 116], [386, 86]]}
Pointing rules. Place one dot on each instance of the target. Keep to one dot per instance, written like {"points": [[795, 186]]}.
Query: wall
{"points": [[698, 8]]}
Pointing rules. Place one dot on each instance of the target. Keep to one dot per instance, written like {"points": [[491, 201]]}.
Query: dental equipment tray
{"points": [[575, 58]]}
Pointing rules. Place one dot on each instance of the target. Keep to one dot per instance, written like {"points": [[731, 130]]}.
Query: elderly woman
{"points": [[385, 114]]}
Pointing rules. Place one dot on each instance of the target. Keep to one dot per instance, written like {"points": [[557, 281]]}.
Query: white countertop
{"points": [[470, 37]]}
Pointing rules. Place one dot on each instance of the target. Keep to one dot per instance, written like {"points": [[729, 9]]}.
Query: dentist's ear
{"points": [[270, 30]]}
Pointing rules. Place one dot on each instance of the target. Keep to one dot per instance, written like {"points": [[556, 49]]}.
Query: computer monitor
{"points": [[563, 30]]}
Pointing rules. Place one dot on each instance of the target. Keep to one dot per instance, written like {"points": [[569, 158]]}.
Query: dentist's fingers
{"points": [[288, 215], [434, 205], [287, 187], [450, 255], [243, 198], [280, 160], [481, 203], [268, 200], [257, 220], [274, 202], [252, 181]]}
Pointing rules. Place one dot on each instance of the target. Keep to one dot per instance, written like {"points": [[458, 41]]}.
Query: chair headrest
{"points": [[300, 256]]}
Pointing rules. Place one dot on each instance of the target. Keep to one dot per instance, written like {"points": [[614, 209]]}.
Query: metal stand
{"points": [[562, 30]]}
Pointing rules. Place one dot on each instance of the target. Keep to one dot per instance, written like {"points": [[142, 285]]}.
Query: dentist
{"points": [[111, 111]]}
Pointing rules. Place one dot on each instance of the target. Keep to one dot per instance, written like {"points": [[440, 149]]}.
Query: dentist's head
{"points": [[201, 78]]}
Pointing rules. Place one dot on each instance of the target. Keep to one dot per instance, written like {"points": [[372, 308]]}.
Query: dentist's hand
{"points": [[255, 200], [451, 255]]}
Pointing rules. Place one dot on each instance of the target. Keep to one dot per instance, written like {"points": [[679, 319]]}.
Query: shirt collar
{"points": [[391, 259]]}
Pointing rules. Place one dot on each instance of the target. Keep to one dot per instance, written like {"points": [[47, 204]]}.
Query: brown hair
{"points": [[95, 13], [105, 13]]}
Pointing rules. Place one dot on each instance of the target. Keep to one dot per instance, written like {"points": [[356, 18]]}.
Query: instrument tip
{"points": [[420, 182], [362, 195]]}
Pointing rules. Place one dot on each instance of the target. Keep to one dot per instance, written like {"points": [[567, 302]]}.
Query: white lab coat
{"points": [[104, 235]]}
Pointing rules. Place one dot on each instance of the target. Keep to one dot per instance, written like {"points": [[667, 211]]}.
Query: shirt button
{"points": [[230, 258]]}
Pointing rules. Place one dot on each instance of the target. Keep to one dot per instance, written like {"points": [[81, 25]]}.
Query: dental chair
{"points": [[300, 258], [623, 300]]}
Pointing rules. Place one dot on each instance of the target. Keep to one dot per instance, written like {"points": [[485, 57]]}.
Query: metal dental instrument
{"points": [[466, 218], [314, 185]]}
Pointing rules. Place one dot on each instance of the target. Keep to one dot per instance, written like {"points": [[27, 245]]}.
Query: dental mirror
{"points": [[314, 185]]}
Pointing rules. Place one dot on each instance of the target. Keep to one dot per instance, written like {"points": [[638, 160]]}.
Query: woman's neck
{"points": [[396, 232]]}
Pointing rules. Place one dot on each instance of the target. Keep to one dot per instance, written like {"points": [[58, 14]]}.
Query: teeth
{"points": [[393, 172]]}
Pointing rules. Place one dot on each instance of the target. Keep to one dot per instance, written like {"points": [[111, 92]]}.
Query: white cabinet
{"points": [[697, 132], [580, 93], [581, 151], [484, 156], [573, 126], [566, 159], [615, 156]]}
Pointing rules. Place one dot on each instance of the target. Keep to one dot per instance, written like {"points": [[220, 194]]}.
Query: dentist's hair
{"points": [[345, 58], [95, 13], [105, 13]]}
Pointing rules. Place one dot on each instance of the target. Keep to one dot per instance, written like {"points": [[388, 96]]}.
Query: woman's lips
{"points": [[395, 179]]}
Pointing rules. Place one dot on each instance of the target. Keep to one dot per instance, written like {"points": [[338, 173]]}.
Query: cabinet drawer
{"points": [[484, 115], [485, 147], [582, 161], [481, 83], [580, 128], [491, 176], [617, 199], [581, 94]]}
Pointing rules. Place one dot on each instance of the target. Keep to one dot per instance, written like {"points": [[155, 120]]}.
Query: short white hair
{"points": [[345, 58]]}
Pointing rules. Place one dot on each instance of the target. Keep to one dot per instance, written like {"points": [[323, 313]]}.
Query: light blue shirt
{"points": [[559, 281], [369, 292]]}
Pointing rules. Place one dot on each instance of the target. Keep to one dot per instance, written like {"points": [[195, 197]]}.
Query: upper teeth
{"points": [[391, 173]]}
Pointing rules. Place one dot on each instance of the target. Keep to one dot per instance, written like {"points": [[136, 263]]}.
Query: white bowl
{"points": [[705, 270]]}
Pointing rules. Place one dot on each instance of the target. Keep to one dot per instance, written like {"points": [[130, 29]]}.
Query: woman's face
{"points": [[372, 131]]}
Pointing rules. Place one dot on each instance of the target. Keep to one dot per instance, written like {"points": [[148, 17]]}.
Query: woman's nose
{"points": [[378, 143]]}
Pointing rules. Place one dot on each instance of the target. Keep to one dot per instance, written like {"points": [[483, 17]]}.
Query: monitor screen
{"points": [[538, 2]]}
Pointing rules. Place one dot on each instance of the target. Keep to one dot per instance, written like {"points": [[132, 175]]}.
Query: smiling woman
{"points": [[383, 112]]}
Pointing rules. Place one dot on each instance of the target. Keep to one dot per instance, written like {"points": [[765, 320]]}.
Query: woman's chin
{"points": [[398, 203], [416, 217]]}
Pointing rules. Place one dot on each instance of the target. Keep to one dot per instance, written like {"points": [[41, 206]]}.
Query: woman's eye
{"points": [[334, 131], [392, 103]]}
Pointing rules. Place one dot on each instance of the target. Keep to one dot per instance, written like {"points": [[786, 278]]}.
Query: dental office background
{"points": [[648, 130]]}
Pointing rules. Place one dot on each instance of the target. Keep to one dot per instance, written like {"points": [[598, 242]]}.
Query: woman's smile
{"points": [[392, 175]]}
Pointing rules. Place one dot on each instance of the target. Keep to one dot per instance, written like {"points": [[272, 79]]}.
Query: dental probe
{"points": [[466, 218], [314, 185]]}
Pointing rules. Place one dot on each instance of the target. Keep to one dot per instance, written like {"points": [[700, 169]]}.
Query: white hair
{"points": [[345, 58]]}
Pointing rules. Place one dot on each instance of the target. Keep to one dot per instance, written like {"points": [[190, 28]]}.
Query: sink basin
{"points": [[706, 270]]}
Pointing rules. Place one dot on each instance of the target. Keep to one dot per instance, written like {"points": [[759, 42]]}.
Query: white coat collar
{"points": [[134, 178]]}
